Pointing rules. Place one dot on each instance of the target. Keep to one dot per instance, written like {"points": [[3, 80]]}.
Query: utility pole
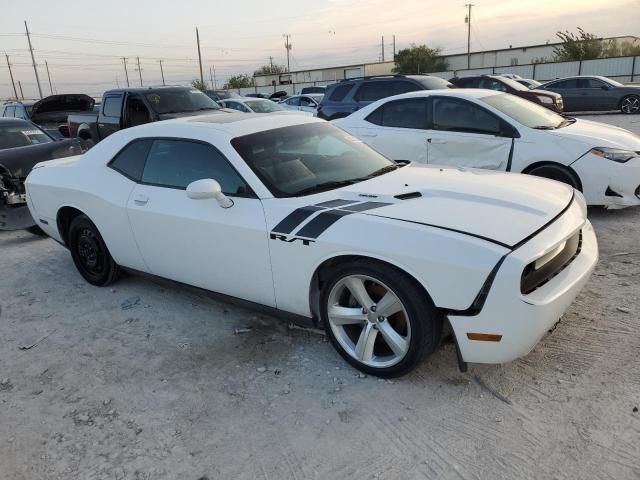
{"points": [[49, 76], [21, 92], [215, 82], [126, 74], [15, 92], [382, 45], [199, 56], [287, 46], [270, 64], [162, 72], [139, 70], [211, 77], [33, 59], [468, 22]]}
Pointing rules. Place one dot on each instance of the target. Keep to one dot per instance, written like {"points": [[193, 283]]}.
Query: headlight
{"points": [[547, 100], [616, 154]]}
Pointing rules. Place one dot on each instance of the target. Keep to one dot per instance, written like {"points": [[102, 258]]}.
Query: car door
{"points": [[198, 242], [570, 92], [307, 104], [397, 129], [466, 134], [596, 94]]}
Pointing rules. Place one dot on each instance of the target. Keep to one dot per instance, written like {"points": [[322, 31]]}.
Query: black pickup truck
{"points": [[128, 107]]}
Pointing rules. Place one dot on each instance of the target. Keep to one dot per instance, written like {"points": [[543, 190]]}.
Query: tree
{"points": [[419, 59], [239, 81], [271, 69], [199, 84], [615, 48], [580, 46]]}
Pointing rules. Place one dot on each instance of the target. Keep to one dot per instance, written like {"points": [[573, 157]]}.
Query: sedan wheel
{"points": [[630, 104], [90, 253], [378, 318], [369, 321]]}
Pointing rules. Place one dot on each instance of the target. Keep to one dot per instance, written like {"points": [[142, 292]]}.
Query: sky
{"points": [[83, 42]]}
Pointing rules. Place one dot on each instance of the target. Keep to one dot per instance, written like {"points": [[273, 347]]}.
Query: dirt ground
{"points": [[148, 380]]}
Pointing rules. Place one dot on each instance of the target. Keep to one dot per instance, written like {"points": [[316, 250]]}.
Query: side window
{"points": [[405, 87], [232, 105], [9, 112], [590, 83], [410, 113], [306, 102], [454, 115], [564, 84], [372, 91], [177, 163], [340, 92], [130, 160], [137, 112], [112, 106], [493, 84], [293, 101], [20, 112]]}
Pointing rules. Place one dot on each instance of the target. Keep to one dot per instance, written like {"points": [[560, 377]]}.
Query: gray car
{"points": [[584, 93]]}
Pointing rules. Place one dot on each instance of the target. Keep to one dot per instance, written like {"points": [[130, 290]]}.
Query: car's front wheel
{"points": [[559, 173], [90, 254], [630, 104], [378, 318]]}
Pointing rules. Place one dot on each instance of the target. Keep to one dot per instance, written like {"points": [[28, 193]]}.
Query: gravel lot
{"points": [[166, 389]]}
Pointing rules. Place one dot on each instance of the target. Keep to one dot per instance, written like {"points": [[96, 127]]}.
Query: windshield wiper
{"points": [[544, 127], [567, 121], [381, 171], [321, 187]]}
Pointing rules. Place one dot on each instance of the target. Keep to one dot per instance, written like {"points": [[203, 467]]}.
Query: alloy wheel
{"points": [[369, 321], [630, 105]]}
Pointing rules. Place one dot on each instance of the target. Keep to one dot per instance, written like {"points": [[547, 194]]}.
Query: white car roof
{"points": [[450, 92], [233, 124]]}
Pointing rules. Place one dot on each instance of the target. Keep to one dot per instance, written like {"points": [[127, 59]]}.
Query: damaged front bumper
{"points": [[14, 213]]}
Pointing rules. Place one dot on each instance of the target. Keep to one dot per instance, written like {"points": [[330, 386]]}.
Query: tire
{"points": [[630, 104], [90, 254], [366, 337], [36, 230], [559, 173]]}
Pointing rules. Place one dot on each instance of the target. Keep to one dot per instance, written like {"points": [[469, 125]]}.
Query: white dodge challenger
{"points": [[294, 214], [498, 131]]}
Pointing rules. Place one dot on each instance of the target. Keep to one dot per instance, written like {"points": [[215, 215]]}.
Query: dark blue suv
{"points": [[347, 96]]}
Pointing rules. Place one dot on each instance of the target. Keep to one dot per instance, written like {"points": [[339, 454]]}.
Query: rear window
{"points": [[22, 135], [340, 92]]}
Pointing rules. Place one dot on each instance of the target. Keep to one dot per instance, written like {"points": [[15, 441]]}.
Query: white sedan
{"points": [[252, 105], [497, 131], [303, 103], [292, 213]]}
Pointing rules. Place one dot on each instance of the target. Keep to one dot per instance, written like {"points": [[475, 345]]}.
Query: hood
{"points": [[213, 111], [504, 208], [75, 102], [595, 134]]}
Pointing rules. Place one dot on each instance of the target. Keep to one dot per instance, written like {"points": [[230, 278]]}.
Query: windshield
{"points": [[525, 112], [173, 101], [611, 81], [12, 136], [263, 106], [309, 158], [514, 84]]}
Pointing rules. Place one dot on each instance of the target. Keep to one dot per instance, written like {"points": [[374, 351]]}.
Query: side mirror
{"points": [[208, 188]]}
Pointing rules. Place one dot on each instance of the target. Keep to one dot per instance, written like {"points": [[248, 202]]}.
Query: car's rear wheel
{"points": [[90, 254], [378, 318], [630, 104], [559, 173]]}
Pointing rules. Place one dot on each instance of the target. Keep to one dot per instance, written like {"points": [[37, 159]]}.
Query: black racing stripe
{"points": [[320, 223], [335, 203], [361, 207], [295, 218]]}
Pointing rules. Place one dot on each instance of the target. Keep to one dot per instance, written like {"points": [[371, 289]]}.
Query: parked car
{"points": [[278, 96], [256, 95], [550, 100], [496, 131], [290, 212], [315, 89], [252, 105], [217, 95], [303, 103], [128, 107], [528, 82], [595, 94], [347, 96], [512, 76], [51, 112], [22, 145]]}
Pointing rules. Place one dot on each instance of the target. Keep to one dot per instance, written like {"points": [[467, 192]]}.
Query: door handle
{"points": [[140, 200], [438, 141]]}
